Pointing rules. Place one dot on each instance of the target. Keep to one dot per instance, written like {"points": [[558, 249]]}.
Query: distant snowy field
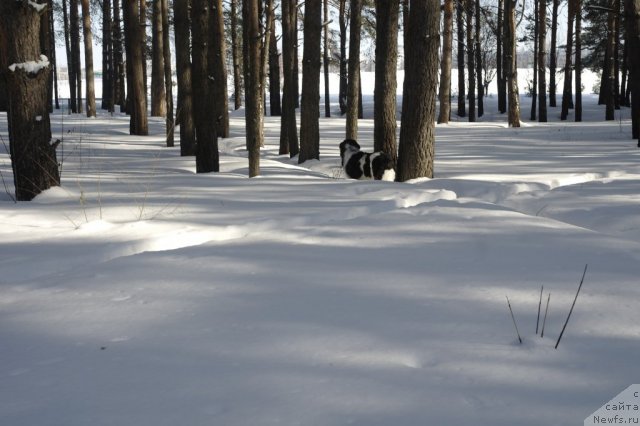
{"points": [[139, 293]]}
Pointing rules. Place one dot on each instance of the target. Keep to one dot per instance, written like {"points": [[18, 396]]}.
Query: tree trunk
{"points": [[632, 19], [138, 124], [461, 81], [553, 54], [342, 18], [325, 59], [253, 90], [119, 97], [353, 86], [74, 31], [47, 49], [534, 88], [310, 107], [502, 81], [107, 57], [275, 105], [384, 95], [478, 57], [578, 105], [158, 88], [203, 104], [168, 81], [542, 60], [511, 70], [616, 53], [218, 71], [235, 57], [33, 156], [471, 64], [445, 66], [88, 59], [417, 133], [185, 112], [53, 56], [288, 128], [609, 86], [567, 100]]}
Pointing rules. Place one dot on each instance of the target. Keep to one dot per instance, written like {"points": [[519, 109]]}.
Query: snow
{"points": [[31, 67], [39, 7], [140, 293]]}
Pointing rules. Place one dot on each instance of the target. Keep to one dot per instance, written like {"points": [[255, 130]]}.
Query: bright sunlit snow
{"points": [[139, 293]]}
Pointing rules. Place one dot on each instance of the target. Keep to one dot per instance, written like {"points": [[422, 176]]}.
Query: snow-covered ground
{"points": [[139, 293]]}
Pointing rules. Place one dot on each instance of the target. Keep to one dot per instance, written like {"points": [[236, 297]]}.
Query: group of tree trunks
{"points": [[202, 110]]}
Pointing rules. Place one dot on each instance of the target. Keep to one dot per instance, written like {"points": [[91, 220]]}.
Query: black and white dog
{"points": [[363, 165]]}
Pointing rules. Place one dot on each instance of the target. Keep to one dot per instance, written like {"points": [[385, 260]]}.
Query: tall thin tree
{"points": [[445, 65], [88, 59], [33, 156], [288, 127], [203, 104], [578, 62], [553, 54], [511, 67], [309, 105], [235, 57], [384, 95], [168, 81], [217, 64], [462, 112], [632, 20], [353, 87], [325, 58], [542, 61], [185, 114], [158, 88], [417, 133], [567, 96], [139, 124], [255, 49]]}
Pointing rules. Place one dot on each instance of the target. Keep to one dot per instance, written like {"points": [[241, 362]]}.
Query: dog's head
{"points": [[348, 145]]}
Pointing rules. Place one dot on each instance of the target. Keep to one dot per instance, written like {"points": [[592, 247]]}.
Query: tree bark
{"points": [[567, 96], [325, 59], [107, 57], [609, 76], [88, 59], [471, 64], [203, 104], [342, 19], [235, 57], [74, 30], [462, 112], [353, 86], [119, 97], [534, 88], [275, 106], [158, 88], [384, 96], [218, 70], [309, 106], [33, 156], [511, 64], [445, 66], [553, 54], [578, 62], [288, 127], [138, 124], [168, 81], [632, 19], [542, 60], [478, 58], [185, 112], [253, 90], [417, 133], [501, 80]]}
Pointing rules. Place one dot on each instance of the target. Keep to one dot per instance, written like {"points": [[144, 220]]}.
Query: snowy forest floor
{"points": [[139, 293]]}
